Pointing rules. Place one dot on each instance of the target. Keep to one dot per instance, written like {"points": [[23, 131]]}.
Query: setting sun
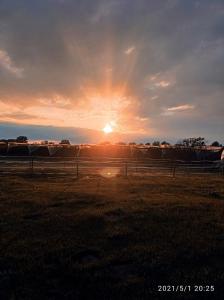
{"points": [[108, 128]]}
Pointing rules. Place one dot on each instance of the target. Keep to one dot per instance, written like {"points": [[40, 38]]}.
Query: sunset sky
{"points": [[148, 68]]}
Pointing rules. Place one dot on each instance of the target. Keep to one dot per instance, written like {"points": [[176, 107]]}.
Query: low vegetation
{"points": [[109, 238]]}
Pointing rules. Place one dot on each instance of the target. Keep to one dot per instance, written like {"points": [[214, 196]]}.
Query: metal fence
{"points": [[106, 167]]}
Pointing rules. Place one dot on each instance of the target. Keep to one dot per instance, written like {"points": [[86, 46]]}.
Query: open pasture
{"points": [[93, 237]]}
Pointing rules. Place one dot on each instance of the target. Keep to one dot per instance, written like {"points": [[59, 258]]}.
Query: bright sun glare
{"points": [[108, 128]]}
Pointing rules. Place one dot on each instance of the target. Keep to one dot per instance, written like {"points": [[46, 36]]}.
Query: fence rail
{"points": [[107, 167]]}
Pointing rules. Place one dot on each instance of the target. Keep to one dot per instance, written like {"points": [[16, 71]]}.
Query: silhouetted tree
{"points": [[21, 139], [65, 142], [156, 143], [216, 144], [148, 144], [164, 143], [132, 144], [193, 142]]}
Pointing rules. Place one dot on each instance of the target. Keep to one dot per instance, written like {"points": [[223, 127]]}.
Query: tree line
{"points": [[194, 142]]}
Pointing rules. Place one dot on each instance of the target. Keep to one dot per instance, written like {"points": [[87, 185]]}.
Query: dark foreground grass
{"points": [[116, 238]]}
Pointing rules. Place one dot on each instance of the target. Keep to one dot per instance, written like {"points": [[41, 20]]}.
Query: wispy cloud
{"points": [[154, 97], [129, 50], [181, 108], [177, 109], [56, 101], [162, 84], [7, 63], [160, 80]]}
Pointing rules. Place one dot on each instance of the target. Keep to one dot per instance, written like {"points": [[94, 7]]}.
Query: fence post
{"points": [[77, 168], [126, 169], [31, 165], [174, 171]]}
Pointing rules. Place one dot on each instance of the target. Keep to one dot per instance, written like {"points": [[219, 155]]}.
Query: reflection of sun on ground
{"points": [[109, 172]]}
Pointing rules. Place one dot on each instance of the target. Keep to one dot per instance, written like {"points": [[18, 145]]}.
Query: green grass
{"points": [[116, 238]]}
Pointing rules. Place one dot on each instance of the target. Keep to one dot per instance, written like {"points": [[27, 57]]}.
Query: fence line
{"points": [[107, 166]]}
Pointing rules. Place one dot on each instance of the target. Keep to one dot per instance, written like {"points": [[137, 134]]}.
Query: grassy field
{"points": [[110, 238]]}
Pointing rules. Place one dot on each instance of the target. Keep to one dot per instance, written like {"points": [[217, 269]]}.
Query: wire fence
{"points": [[107, 167]]}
